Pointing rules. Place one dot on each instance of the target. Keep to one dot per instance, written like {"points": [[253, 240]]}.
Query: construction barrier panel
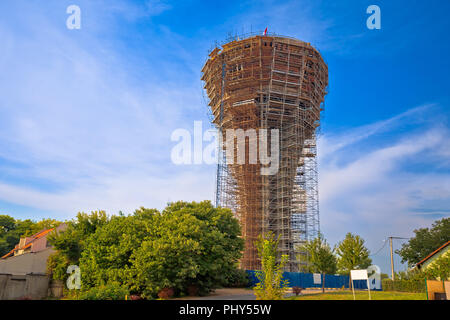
{"points": [[306, 280]]}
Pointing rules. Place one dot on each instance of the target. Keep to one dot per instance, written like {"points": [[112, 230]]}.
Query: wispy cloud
{"points": [[79, 129], [331, 143]]}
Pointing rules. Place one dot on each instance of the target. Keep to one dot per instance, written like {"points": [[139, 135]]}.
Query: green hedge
{"points": [[412, 285], [111, 291]]}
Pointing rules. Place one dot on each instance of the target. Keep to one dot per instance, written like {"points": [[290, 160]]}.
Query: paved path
{"points": [[242, 294], [226, 294]]}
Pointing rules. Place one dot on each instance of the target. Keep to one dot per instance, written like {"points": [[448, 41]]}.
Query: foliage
{"points": [[406, 281], [319, 257], [352, 254], [42, 225], [237, 278], [57, 266], [107, 252], [187, 245], [112, 291], [425, 241], [440, 268], [404, 285], [70, 242], [271, 285], [384, 276]]}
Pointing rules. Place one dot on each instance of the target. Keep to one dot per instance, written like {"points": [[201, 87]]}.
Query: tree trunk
{"points": [[323, 283]]}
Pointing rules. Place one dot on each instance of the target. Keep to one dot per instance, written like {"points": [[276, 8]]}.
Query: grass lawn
{"points": [[376, 295]]}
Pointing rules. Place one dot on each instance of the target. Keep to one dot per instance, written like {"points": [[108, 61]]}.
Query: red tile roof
{"points": [[433, 253]]}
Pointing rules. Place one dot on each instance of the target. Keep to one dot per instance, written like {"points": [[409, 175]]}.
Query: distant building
{"points": [[23, 269], [30, 254]]}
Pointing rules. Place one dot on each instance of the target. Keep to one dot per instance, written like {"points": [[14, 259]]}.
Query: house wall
{"points": [[39, 244], [434, 286], [33, 262], [443, 252], [30, 286]]}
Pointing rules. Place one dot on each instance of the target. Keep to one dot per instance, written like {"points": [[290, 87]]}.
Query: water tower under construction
{"points": [[267, 82]]}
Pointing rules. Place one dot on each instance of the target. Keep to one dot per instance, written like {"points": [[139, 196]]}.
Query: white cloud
{"points": [[390, 189], [80, 130]]}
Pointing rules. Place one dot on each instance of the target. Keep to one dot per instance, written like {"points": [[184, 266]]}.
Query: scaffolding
{"points": [[269, 82]]}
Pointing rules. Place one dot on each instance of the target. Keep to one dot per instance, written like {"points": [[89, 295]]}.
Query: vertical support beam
{"points": [[392, 259]]}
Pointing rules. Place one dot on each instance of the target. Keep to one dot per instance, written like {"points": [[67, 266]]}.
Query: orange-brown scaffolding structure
{"points": [[269, 82]]}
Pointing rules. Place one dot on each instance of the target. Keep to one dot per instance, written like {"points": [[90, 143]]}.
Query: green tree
{"points": [[440, 268], [271, 285], [425, 241], [352, 254], [44, 224], [7, 223], [188, 244], [8, 234], [106, 252], [320, 258], [71, 242]]}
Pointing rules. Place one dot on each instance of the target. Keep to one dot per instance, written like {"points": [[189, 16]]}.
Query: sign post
{"points": [[359, 275]]}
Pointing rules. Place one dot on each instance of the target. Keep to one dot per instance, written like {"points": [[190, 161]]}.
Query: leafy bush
{"points": [[113, 291], [404, 285], [237, 278], [271, 285], [186, 245]]}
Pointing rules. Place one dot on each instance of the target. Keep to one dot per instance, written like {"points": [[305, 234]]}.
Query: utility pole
{"points": [[392, 259], [392, 255]]}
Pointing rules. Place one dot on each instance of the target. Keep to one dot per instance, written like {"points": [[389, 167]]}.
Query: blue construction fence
{"points": [[306, 280]]}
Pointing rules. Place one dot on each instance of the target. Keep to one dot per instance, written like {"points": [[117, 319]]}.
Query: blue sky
{"points": [[86, 115]]}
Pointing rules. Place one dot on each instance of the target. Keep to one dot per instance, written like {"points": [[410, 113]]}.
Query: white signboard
{"points": [[359, 274], [317, 278]]}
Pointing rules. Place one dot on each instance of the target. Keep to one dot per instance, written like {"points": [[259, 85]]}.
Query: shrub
{"points": [[271, 285], [404, 285], [57, 264], [187, 243], [237, 278], [111, 291]]}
